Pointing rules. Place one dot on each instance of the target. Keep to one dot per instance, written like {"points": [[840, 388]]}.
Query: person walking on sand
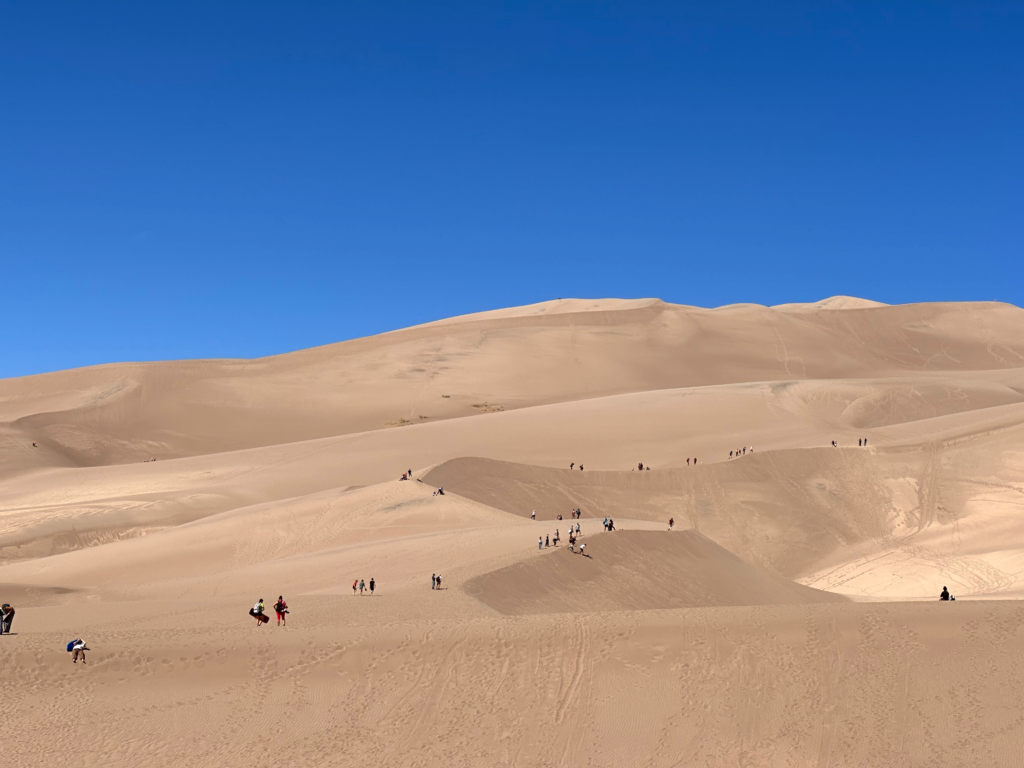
{"points": [[433, 581], [533, 515], [671, 522], [572, 464], [258, 613], [6, 618], [372, 585], [281, 609], [547, 541], [556, 537], [577, 529], [355, 586], [583, 548], [362, 586], [540, 542], [439, 581]]}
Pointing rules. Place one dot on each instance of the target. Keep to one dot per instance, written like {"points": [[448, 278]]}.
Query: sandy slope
{"points": [[741, 638], [636, 571]]}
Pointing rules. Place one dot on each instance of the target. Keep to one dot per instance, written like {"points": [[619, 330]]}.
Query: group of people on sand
{"points": [[573, 515], [435, 581], [361, 586], [945, 595], [573, 537], [609, 524], [738, 452], [694, 462], [573, 464], [439, 491], [280, 608], [641, 466]]}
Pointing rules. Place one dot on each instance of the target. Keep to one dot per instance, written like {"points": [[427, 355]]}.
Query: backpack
{"points": [[72, 644]]}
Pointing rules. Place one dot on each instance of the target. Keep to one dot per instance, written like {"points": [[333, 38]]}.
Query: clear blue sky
{"points": [[209, 179]]}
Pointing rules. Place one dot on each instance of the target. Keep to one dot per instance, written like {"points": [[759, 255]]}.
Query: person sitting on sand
{"points": [[945, 594], [77, 648], [405, 476], [6, 618], [281, 608]]}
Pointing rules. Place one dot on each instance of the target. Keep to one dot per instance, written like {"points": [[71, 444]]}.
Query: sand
{"points": [[789, 619]]}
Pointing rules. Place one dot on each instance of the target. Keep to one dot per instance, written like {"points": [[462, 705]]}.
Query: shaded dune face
{"points": [[781, 509], [636, 570]]}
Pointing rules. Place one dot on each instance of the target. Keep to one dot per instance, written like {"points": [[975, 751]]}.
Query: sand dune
{"points": [[781, 623], [636, 571], [571, 350]]}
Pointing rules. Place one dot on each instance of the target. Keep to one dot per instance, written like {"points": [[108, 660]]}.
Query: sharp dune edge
{"points": [[789, 619]]}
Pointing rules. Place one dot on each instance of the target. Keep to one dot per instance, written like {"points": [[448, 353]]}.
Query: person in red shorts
{"points": [[281, 608]]}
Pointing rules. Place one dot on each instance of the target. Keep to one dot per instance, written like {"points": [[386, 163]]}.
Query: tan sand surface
{"points": [[789, 619]]}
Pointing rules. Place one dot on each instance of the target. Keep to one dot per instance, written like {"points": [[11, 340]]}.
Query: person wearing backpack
{"points": [[77, 648], [6, 618], [281, 608]]}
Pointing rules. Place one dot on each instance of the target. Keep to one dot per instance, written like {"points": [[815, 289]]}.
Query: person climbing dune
{"points": [[281, 609]]}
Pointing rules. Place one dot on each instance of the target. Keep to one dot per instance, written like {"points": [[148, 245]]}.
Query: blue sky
{"points": [[210, 179]]}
